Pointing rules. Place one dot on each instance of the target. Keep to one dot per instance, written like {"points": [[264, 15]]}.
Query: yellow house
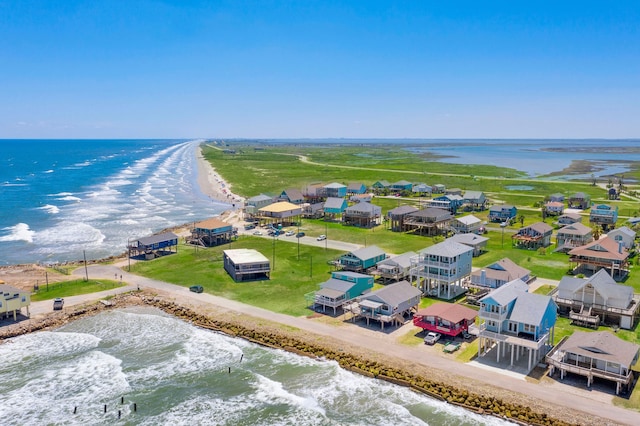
{"points": [[12, 300]]}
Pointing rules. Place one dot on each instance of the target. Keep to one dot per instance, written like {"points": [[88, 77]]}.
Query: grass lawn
{"points": [[291, 278], [73, 288], [544, 289]]}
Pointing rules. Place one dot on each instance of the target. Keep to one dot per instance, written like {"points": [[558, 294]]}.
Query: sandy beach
{"points": [[215, 187]]}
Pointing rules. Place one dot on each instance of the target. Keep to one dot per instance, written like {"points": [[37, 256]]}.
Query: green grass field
{"points": [[73, 288], [291, 277]]}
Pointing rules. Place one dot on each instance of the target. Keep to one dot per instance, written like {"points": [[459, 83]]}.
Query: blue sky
{"points": [[314, 69]]}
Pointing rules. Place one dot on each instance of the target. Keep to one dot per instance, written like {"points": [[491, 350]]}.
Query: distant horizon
{"points": [[319, 139]]}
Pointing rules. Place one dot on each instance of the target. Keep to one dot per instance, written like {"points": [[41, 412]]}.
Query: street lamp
{"points": [[503, 225], [325, 235]]}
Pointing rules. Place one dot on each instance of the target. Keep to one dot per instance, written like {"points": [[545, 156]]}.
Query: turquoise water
{"points": [[178, 374]]}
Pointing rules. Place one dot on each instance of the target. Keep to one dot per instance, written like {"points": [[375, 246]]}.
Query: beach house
{"points": [[604, 215], [394, 268], [596, 300], [442, 270], [466, 224], [380, 186], [282, 212], [246, 265], [533, 236], [499, 273], [475, 200], [362, 259], [503, 213], [397, 216], [12, 300], [355, 188], [438, 188], [596, 354], [362, 214], [334, 207], [579, 200], [422, 189], [211, 232], [292, 195], [515, 323], [389, 304], [449, 202], [553, 208], [253, 204], [430, 221], [342, 287], [401, 186], [154, 246], [450, 319], [569, 218], [477, 242], [624, 235], [334, 190], [604, 253], [571, 236]]}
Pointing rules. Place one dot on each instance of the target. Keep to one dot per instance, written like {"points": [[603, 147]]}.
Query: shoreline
{"points": [[368, 346], [476, 397], [215, 187]]}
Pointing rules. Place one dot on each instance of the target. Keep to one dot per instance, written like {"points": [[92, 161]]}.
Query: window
{"points": [[528, 328]]}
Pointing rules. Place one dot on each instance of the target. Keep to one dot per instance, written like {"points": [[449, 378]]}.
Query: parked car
{"points": [[196, 288], [257, 232], [321, 237], [249, 226], [432, 337], [58, 303], [300, 235], [289, 233]]}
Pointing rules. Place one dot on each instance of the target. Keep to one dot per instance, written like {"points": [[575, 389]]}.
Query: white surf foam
{"points": [[18, 232], [50, 208]]}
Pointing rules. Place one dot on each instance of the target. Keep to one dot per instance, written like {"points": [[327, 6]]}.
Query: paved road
{"points": [[373, 340]]}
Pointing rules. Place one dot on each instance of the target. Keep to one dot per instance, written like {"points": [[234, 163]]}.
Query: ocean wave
{"points": [[69, 198], [270, 391], [19, 232], [71, 235], [50, 208], [48, 171]]}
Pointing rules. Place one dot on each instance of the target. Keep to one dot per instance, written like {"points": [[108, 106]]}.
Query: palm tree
{"points": [[593, 179], [521, 219], [597, 230]]}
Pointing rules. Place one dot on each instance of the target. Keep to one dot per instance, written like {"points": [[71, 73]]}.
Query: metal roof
{"points": [[239, 256], [601, 345], [159, 238], [394, 294], [447, 248]]}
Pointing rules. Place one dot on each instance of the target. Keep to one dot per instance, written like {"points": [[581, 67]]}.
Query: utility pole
{"points": [[86, 271]]}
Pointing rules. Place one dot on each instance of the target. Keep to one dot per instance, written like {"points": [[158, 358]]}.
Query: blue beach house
{"points": [[335, 190], [356, 188], [334, 206], [362, 259], [604, 215], [340, 288], [503, 213], [401, 185], [380, 186], [515, 323]]}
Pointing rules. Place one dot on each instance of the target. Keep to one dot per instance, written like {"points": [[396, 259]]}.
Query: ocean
{"points": [[179, 374], [66, 199]]}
